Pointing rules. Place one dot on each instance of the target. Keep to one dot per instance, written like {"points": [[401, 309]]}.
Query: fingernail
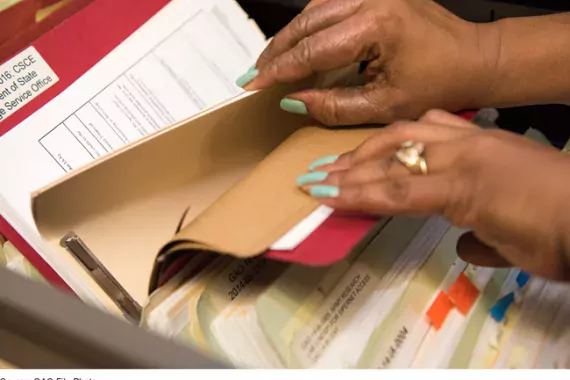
{"points": [[247, 77], [323, 191], [323, 161], [294, 106], [311, 178]]}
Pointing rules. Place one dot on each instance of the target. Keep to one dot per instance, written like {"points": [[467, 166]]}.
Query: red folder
{"points": [[28, 29], [18, 17], [78, 43], [330, 242]]}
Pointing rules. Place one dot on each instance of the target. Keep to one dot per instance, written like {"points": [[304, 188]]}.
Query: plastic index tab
{"points": [[439, 310], [463, 294]]}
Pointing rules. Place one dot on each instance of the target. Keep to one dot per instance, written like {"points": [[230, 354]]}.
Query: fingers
{"points": [[371, 103], [387, 140], [348, 171], [336, 47], [315, 17], [368, 179], [390, 138], [472, 250], [410, 194], [347, 105], [370, 171]]}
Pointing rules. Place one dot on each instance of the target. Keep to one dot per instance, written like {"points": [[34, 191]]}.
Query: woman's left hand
{"points": [[510, 191]]}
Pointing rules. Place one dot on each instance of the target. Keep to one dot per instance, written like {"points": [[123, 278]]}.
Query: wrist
{"points": [[484, 57], [526, 61]]}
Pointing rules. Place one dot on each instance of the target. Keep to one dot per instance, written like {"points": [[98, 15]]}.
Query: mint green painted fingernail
{"points": [[323, 191], [293, 106], [247, 77], [311, 178], [323, 161]]}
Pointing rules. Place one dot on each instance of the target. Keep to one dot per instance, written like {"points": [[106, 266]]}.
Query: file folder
{"points": [[80, 41], [50, 15]]}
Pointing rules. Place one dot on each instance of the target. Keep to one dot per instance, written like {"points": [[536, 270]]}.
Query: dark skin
{"points": [[420, 57], [511, 192], [513, 200]]}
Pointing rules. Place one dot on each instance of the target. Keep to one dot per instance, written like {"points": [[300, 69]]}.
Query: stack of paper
{"points": [[387, 306]]}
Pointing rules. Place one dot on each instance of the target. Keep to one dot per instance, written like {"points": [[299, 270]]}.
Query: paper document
{"points": [[165, 72]]}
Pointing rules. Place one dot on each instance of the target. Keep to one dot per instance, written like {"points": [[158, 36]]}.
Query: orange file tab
{"points": [[463, 294], [439, 310]]}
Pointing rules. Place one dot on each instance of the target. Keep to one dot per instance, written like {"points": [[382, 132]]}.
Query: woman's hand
{"points": [[420, 57], [512, 192]]}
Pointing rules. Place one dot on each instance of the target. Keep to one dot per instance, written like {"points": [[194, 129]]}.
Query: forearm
{"points": [[529, 61]]}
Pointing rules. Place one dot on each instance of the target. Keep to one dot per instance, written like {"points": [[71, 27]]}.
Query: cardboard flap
{"points": [[263, 207], [127, 205]]}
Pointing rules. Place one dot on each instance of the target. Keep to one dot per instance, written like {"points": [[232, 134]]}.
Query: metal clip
{"points": [[130, 308]]}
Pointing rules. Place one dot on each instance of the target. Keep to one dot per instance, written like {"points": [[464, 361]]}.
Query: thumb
{"points": [[472, 250], [340, 105]]}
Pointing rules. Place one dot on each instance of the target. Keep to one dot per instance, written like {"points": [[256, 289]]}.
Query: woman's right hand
{"points": [[511, 192], [420, 57]]}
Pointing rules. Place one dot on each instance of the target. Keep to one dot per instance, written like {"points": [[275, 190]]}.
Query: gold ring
{"points": [[411, 155]]}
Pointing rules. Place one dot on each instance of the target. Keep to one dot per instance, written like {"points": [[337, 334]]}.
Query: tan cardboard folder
{"points": [[232, 167]]}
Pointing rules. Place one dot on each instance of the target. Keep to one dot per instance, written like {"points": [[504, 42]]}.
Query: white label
{"points": [[302, 230], [23, 78], [334, 314]]}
